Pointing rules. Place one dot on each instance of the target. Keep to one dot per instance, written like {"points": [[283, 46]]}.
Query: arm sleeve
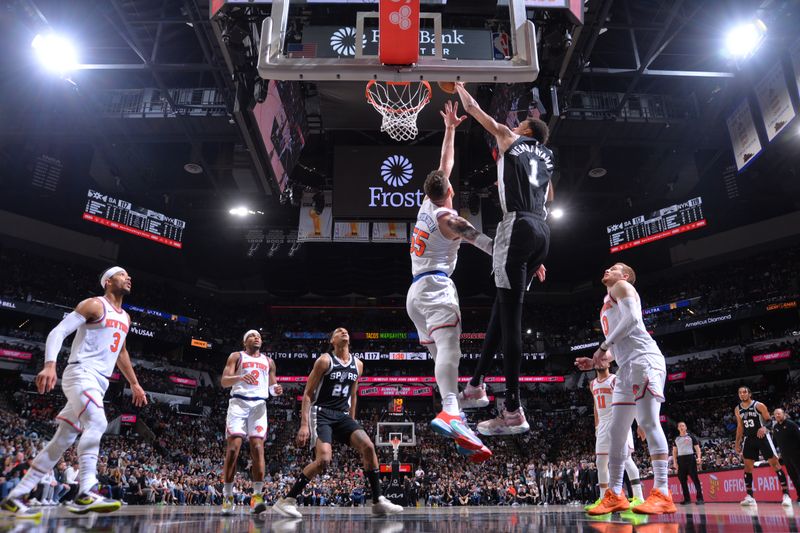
{"points": [[630, 312], [64, 329]]}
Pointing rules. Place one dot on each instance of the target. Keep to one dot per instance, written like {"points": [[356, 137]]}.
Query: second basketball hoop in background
{"points": [[447, 86]]}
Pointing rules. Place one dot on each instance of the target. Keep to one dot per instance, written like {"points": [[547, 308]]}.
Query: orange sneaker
{"points": [[610, 503], [657, 503]]}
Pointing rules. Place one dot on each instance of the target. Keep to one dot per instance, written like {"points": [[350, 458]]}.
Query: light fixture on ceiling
{"points": [[743, 40], [597, 172], [557, 213], [55, 52], [193, 168]]}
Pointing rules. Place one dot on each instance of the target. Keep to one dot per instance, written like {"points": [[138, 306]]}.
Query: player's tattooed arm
{"points": [[460, 227]]}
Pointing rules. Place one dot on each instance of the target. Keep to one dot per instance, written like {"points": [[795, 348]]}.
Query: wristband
{"points": [[272, 390], [603, 347], [484, 243]]}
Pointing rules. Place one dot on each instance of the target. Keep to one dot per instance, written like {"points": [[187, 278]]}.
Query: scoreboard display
{"points": [[666, 222], [124, 216]]}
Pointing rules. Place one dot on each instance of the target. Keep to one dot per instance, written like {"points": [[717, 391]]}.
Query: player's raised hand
{"points": [[450, 115], [46, 379], [302, 435], [584, 363], [139, 396]]}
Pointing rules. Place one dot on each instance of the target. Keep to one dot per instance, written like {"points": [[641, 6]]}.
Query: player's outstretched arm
{"points": [[501, 132], [451, 122], [126, 367], [456, 227]]}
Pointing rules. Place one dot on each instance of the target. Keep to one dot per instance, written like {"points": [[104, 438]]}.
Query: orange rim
{"points": [[381, 107]]}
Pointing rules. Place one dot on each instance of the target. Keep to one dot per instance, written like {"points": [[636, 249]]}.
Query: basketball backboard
{"points": [[284, 56]]}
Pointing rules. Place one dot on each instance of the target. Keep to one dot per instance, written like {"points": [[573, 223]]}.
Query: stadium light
{"points": [[240, 211], [743, 40], [55, 52], [558, 212]]}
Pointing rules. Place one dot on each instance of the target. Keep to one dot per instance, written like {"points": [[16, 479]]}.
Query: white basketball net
{"points": [[399, 103]]}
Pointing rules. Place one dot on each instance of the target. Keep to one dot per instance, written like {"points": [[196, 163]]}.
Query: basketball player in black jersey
{"points": [[328, 414], [524, 169], [750, 426]]}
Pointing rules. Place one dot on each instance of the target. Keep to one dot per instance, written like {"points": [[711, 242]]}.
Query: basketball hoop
{"points": [[395, 439], [399, 103]]}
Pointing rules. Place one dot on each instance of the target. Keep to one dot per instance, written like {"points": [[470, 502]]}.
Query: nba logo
{"points": [[714, 485], [635, 390], [259, 429]]}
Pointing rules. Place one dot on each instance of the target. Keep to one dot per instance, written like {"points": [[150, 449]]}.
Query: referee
{"points": [[786, 435], [686, 455]]}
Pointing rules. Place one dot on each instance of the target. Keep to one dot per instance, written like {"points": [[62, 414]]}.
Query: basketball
{"points": [[447, 86]]}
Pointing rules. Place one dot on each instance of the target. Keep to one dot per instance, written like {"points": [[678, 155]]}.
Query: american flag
{"points": [[302, 50]]}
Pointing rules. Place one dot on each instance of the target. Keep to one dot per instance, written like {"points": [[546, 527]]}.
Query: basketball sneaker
{"points": [[610, 503], [748, 501], [228, 504], [384, 507], [635, 501], [508, 423], [591, 506], [657, 503], [475, 456], [93, 502], [472, 397], [19, 509], [287, 507], [257, 504], [786, 501], [455, 427]]}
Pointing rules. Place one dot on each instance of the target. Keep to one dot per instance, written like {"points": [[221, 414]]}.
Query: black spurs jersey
{"points": [[751, 419], [336, 385], [523, 176]]}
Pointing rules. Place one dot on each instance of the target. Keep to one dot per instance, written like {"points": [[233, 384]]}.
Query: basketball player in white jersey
{"points": [[252, 378], [99, 345], [638, 391], [602, 388], [432, 300]]}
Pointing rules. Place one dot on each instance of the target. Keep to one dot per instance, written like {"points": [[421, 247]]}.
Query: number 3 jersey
{"points": [[258, 367], [430, 250], [97, 344], [333, 391]]}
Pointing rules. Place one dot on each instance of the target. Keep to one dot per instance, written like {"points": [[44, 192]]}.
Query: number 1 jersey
{"points": [[523, 176]]}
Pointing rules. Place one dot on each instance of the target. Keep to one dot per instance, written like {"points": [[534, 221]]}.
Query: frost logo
{"points": [[343, 41], [397, 170]]}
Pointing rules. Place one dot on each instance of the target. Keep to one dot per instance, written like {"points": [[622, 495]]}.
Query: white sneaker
{"points": [[748, 501], [228, 505], [287, 507], [385, 507], [472, 397], [33, 502], [786, 501]]}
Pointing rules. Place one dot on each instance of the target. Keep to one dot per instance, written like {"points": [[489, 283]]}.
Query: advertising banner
{"points": [[728, 486], [186, 382], [396, 391], [15, 354], [774, 356], [128, 419]]}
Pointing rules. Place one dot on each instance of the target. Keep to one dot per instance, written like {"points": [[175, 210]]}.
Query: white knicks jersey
{"points": [[602, 391], [97, 344], [430, 250], [633, 344], [258, 367]]}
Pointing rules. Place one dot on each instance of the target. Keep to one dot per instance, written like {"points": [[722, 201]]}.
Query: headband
{"points": [[108, 273]]}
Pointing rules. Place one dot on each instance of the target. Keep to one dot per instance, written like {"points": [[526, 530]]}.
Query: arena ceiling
{"points": [[642, 87]]}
